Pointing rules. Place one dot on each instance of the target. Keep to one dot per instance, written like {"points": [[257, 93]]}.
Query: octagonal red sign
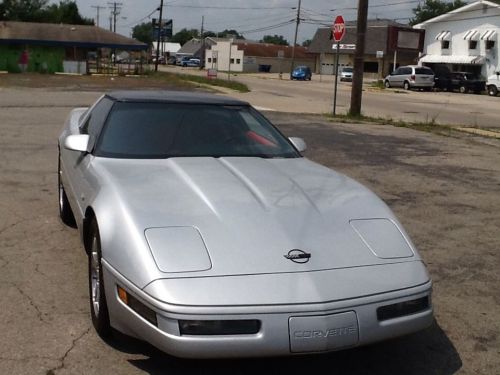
{"points": [[338, 28]]}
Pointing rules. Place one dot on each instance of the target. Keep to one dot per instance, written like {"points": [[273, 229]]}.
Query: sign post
{"points": [[338, 32]]}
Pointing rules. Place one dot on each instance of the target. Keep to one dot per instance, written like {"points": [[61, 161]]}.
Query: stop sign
{"points": [[338, 28]]}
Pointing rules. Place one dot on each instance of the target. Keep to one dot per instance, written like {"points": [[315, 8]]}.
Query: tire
{"points": [[387, 84], [406, 85], [462, 89], [492, 90], [65, 212], [97, 297]]}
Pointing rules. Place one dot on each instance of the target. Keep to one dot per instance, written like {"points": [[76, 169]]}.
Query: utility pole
{"points": [[292, 66], [115, 10], [159, 32], [357, 78], [97, 8], [202, 62]]}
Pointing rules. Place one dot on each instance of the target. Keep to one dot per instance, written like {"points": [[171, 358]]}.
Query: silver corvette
{"points": [[209, 235]]}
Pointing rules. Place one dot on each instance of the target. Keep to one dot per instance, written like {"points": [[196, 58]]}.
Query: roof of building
{"points": [[270, 50], [51, 34], [194, 46], [481, 4], [376, 37]]}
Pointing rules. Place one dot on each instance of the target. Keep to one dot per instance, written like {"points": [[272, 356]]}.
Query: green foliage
{"points": [[433, 8], [143, 33], [274, 39], [185, 35], [39, 11], [306, 43], [230, 34]]}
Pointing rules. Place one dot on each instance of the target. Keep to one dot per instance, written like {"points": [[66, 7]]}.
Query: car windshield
{"points": [[162, 130], [347, 70]]}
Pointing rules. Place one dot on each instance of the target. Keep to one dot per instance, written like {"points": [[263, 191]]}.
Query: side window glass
{"points": [[95, 120], [397, 72]]}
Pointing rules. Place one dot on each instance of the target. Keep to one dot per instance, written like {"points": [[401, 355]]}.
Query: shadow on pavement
{"points": [[427, 352]]}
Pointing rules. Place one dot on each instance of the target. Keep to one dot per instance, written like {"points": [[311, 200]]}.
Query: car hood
{"points": [[233, 216]]}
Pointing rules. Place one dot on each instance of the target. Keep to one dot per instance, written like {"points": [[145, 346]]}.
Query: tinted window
{"points": [[160, 130], [95, 121], [347, 70], [426, 71], [406, 71], [398, 71]]}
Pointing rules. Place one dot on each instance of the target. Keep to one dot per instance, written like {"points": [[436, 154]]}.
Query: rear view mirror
{"points": [[299, 143], [77, 142]]}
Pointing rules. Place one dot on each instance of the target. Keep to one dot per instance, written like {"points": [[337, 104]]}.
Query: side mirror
{"points": [[299, 143], [77, 142]]}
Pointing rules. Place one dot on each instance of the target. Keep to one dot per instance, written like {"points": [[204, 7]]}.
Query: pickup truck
{"points": [[493, 84]]}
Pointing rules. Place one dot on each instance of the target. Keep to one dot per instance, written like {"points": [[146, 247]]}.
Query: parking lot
{"points": [[444, 189]]}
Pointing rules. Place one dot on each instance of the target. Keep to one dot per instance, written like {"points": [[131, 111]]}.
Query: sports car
{"points": [[209, 235]]}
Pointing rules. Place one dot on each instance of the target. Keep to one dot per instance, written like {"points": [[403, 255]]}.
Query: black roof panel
{"points": [[172, 97]]}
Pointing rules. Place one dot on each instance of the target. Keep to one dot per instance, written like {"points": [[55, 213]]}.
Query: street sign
{"points": [[338, 28]]}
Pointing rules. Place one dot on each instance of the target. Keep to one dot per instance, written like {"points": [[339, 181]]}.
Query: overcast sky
{"points": [[252, 18]]}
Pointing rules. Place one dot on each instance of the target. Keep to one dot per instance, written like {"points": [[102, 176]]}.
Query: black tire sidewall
{"points": [[101, 321]]}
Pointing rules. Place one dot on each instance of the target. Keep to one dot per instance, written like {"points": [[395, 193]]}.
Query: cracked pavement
{"points": [[445, 190]]}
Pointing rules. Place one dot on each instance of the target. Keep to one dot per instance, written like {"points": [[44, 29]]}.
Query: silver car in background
{"points": [[411, 77], [209, 235]]}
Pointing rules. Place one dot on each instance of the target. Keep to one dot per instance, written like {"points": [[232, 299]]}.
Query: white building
{"points": [[465, 39], [222, 54]]}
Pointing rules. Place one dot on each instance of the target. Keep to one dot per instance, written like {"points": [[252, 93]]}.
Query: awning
{"points": [[471, 35], [489, 35], [453, 59], [444, 35]]}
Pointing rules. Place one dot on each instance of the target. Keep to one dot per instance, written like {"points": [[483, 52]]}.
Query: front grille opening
{"points": [[219, 327], [403, 308]]}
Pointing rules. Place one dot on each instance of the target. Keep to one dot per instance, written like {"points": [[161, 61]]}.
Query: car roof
{"points": [[172, 97]]}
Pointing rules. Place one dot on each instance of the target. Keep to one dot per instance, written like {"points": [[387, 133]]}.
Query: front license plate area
{"points": [[323, 332]]}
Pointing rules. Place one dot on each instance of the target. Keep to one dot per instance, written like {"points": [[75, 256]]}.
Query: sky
{"points": [[252, 18]]}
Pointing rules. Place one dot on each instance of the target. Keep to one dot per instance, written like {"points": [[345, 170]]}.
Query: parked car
{"points": [[462, 81], [208, 234], [182, 59], [346, 73], [410, 77], [493, 84], [192, 62], [301, 73]]}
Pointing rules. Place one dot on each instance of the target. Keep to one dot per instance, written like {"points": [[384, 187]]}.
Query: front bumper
{"points": [[284, 330]]}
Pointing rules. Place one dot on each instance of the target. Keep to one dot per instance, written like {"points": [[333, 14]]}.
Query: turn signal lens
{"points": [[137, 306], [219, 327]]}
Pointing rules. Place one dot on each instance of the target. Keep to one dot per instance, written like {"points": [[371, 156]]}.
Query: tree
{"points": [[433, 8], [21, 10], [64, 12], [185, 35], [144, 33], [230, 34], [274, 39], [306, 43], [38, 11]]}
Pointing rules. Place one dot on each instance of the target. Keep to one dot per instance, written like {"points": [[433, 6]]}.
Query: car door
{"points": [[77, 164], [395, 77]]}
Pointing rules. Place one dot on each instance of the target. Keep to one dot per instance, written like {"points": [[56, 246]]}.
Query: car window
{"points": [[347, 70], [95, 120], [406, 71], [423, 70], [162, 130], [398, 71]]}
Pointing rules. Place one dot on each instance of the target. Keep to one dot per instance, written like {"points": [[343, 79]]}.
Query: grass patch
{"points": [[428, 126], [180, 78]]}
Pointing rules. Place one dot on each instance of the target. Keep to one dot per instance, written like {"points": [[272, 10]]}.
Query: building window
{"points": [[490, 44], [472, 44], [370, 67], [232, 61], [445, 44], [238, 61], [209, 59], [214, 60]]}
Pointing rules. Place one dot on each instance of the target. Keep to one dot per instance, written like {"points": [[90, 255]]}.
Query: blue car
{"points": [[302, 73]]}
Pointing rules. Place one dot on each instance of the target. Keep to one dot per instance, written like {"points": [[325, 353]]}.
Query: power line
{"points": [[97, 8], [115, 11]]}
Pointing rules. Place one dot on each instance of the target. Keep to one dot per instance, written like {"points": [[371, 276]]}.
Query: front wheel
{"points": [[462, 89], [98, 305], [492, 90], [406, 85], [387, 84]]}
